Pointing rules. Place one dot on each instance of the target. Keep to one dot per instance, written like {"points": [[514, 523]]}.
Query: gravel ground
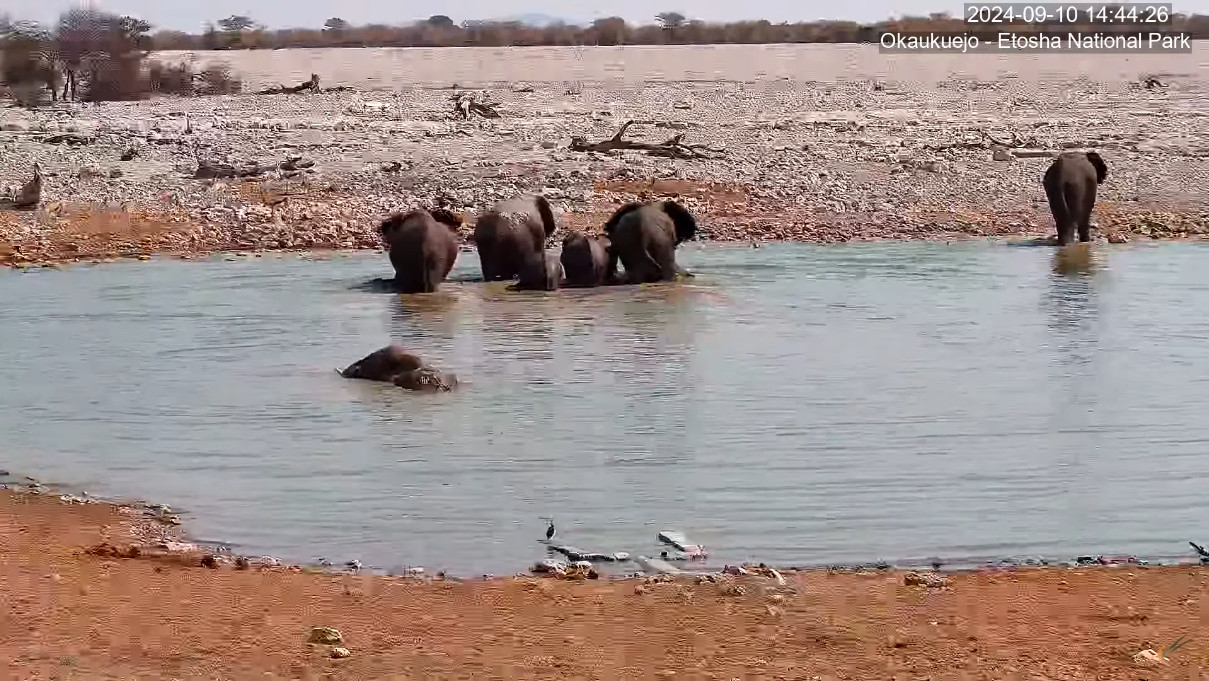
{"points": [[773, 160]]}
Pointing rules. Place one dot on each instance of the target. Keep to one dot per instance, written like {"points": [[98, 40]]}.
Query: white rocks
{"points": [[812, 148]]}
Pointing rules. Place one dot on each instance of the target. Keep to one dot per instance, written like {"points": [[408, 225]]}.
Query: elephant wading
{"points": [[423, 246], [585, 260], [644, 237], [393, 364], [510, 233], [541, 272], [1070, 186]]}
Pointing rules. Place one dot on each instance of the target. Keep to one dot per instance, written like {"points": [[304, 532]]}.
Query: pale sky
{"points": [[191, 16]]}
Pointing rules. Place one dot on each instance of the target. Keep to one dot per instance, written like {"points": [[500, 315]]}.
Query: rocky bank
{"points": [[769, 160]]}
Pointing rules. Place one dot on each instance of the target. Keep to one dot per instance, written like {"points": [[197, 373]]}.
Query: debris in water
{"points": [[575, 553], [680, 542]]}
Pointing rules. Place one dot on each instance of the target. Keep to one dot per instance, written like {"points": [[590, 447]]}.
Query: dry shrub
{"points": [[117, 80], [170, 79], [217, 79], [182, 80]]}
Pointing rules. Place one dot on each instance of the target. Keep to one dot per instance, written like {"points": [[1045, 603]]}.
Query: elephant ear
{"points": [[543, 209], [1101, 167], [686, 225], [612, 222], [390, 225], [447, 217]]}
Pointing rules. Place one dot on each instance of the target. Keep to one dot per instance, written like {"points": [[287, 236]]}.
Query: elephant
{"points": [[541, 272], [394, 364], [1070, 186], [644, 237], [509, 232], [585, 260], [423, 246]]}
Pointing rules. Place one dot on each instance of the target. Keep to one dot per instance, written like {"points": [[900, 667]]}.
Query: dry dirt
{"points": [[69, 614]]}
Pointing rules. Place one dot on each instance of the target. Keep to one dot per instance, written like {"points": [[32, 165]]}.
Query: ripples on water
{"points": [[795, 404]]}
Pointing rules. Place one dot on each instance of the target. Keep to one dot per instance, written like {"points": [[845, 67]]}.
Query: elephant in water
{"points": [[423, 246], [644, 237], [585, 260], [393, 364], [1070, 185], [541, 272], [508, 234]]}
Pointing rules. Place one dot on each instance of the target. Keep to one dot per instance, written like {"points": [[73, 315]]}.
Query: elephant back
{"points": [[530, 213]]}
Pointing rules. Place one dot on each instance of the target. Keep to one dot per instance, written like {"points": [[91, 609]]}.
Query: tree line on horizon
{"points": [[668, 28], [96, 55]]}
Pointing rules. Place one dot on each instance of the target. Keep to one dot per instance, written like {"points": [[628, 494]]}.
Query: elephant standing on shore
{"points": [[585, 260], [510, 233], [1070, 186], [394, 364], [644, 237], [423, 246]]}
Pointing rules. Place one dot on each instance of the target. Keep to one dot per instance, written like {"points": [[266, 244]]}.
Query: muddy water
{"points": [[798, 404]]}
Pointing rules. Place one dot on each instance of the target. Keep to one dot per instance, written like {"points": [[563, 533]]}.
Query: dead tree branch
{"points": [[311, 85], [672, 148], [465, 104]]}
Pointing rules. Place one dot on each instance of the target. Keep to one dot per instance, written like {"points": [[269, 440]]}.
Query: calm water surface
{"points": [[798, 404]]}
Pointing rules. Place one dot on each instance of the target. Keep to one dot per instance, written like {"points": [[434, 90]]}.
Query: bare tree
{"points": [[670, 20], [236, 23]]}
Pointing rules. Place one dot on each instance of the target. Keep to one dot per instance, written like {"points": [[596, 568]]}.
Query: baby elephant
{"points": [[541, 272], [1070, 185], [585, 260], [393, 364]]}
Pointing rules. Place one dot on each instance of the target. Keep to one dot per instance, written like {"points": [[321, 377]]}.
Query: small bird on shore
{"points": [[550, 529]]}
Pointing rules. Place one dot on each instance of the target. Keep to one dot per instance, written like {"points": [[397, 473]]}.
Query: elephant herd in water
{"points": [[511, 242]]}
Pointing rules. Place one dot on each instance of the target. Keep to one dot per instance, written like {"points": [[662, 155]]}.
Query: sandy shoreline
{"points": [[77, 613]]}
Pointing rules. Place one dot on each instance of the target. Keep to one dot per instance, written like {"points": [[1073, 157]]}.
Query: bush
{"points": [[117, 80], [102, 56], [217, 79], [181, 79], [170, 79]]}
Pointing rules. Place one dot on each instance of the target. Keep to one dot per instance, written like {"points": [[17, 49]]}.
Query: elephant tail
{"points": [[429, 270], [1056, 193]]}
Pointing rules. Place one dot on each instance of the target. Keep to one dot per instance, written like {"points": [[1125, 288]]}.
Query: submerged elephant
{"points": [[1070, 186], [394, 364], [510, 232], [423, 246], [644, 237], [585, 260], [541, 272]]}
